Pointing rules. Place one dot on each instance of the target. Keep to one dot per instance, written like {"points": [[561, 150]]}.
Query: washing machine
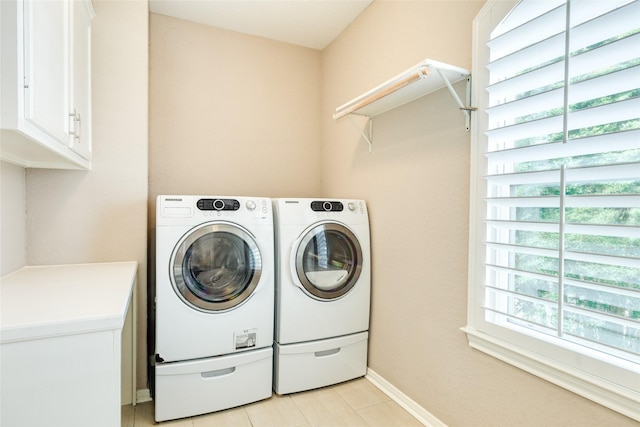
{"points": [[323, 288], [214, 303]]}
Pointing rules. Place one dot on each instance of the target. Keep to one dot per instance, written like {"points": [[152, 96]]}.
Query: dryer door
{"points": [[328, 260], [215, 267]]}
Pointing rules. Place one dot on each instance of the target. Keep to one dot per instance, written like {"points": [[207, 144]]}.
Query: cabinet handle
{"points": [[78, 129], [74, 128], [72, 124]]}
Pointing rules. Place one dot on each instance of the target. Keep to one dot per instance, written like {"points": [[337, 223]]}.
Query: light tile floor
{"points": [[353, 403]]}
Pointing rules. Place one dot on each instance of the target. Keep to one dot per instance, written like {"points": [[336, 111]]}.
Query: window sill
{"points": [[617, 398]]}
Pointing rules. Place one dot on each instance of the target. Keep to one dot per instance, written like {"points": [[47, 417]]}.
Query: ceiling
{"points": [[308, 23]]}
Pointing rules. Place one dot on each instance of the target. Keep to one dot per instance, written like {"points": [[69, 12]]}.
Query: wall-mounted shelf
{"points": [[419, 80]]}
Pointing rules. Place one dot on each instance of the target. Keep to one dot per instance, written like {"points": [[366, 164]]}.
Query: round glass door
{"points": [[216, 267], [328, 261]]}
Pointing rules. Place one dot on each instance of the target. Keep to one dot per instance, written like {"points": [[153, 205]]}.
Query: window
{"points": [[554, 278]]}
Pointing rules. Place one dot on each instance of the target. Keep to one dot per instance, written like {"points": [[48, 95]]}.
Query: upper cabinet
{"points": [[46, 83], [81, 15]]}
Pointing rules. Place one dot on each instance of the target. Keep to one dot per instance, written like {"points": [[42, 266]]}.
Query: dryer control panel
{"points": [[326, 206]]}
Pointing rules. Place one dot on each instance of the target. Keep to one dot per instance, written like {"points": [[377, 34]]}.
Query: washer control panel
{"points": [[218, 205]]}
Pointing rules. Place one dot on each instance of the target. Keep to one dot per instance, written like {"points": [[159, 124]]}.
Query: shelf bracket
{"points": [[364, 135], [464, 108]]}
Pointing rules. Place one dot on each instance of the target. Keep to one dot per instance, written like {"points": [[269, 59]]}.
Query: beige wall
{"points": [[13, 232], [231, 114], [100, 215], [236, 114], [416, 183]]}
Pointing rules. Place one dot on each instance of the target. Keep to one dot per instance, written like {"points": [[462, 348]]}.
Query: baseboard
{"points": [[143, 395], [409, 405]]}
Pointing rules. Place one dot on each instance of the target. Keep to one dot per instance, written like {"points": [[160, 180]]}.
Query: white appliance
{"points": [[214, 303], [323, 287]]}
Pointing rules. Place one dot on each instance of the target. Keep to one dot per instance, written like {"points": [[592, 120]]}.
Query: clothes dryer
{"points": [[214, 303], [323, 286]]}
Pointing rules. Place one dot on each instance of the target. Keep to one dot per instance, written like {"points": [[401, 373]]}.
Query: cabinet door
{"points": [[81, 14], [46, 67]]}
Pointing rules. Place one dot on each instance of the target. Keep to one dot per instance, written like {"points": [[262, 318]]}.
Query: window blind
{"points": [[562, 247]]}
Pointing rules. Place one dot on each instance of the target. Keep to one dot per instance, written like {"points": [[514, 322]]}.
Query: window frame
{"points": [[604, 379]]}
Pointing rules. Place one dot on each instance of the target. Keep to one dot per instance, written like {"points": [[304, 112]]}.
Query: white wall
{"points": [[100, 215], [13, 233]]}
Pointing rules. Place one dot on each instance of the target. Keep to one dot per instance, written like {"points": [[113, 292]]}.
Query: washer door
{"points": [[328, 260], [215, 267]]}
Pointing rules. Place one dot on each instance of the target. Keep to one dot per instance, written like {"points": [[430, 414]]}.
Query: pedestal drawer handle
{"points": [[324, 353], [217, 372]]}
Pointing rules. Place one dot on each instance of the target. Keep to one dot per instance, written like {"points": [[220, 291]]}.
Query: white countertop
{"points": [[46, 301]]}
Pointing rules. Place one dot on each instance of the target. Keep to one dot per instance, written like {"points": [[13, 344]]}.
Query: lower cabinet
{"points": [[71, 380], [64, 329]]}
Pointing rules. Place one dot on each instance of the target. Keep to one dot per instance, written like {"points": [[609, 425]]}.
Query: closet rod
{"points": [[394, 86]]}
